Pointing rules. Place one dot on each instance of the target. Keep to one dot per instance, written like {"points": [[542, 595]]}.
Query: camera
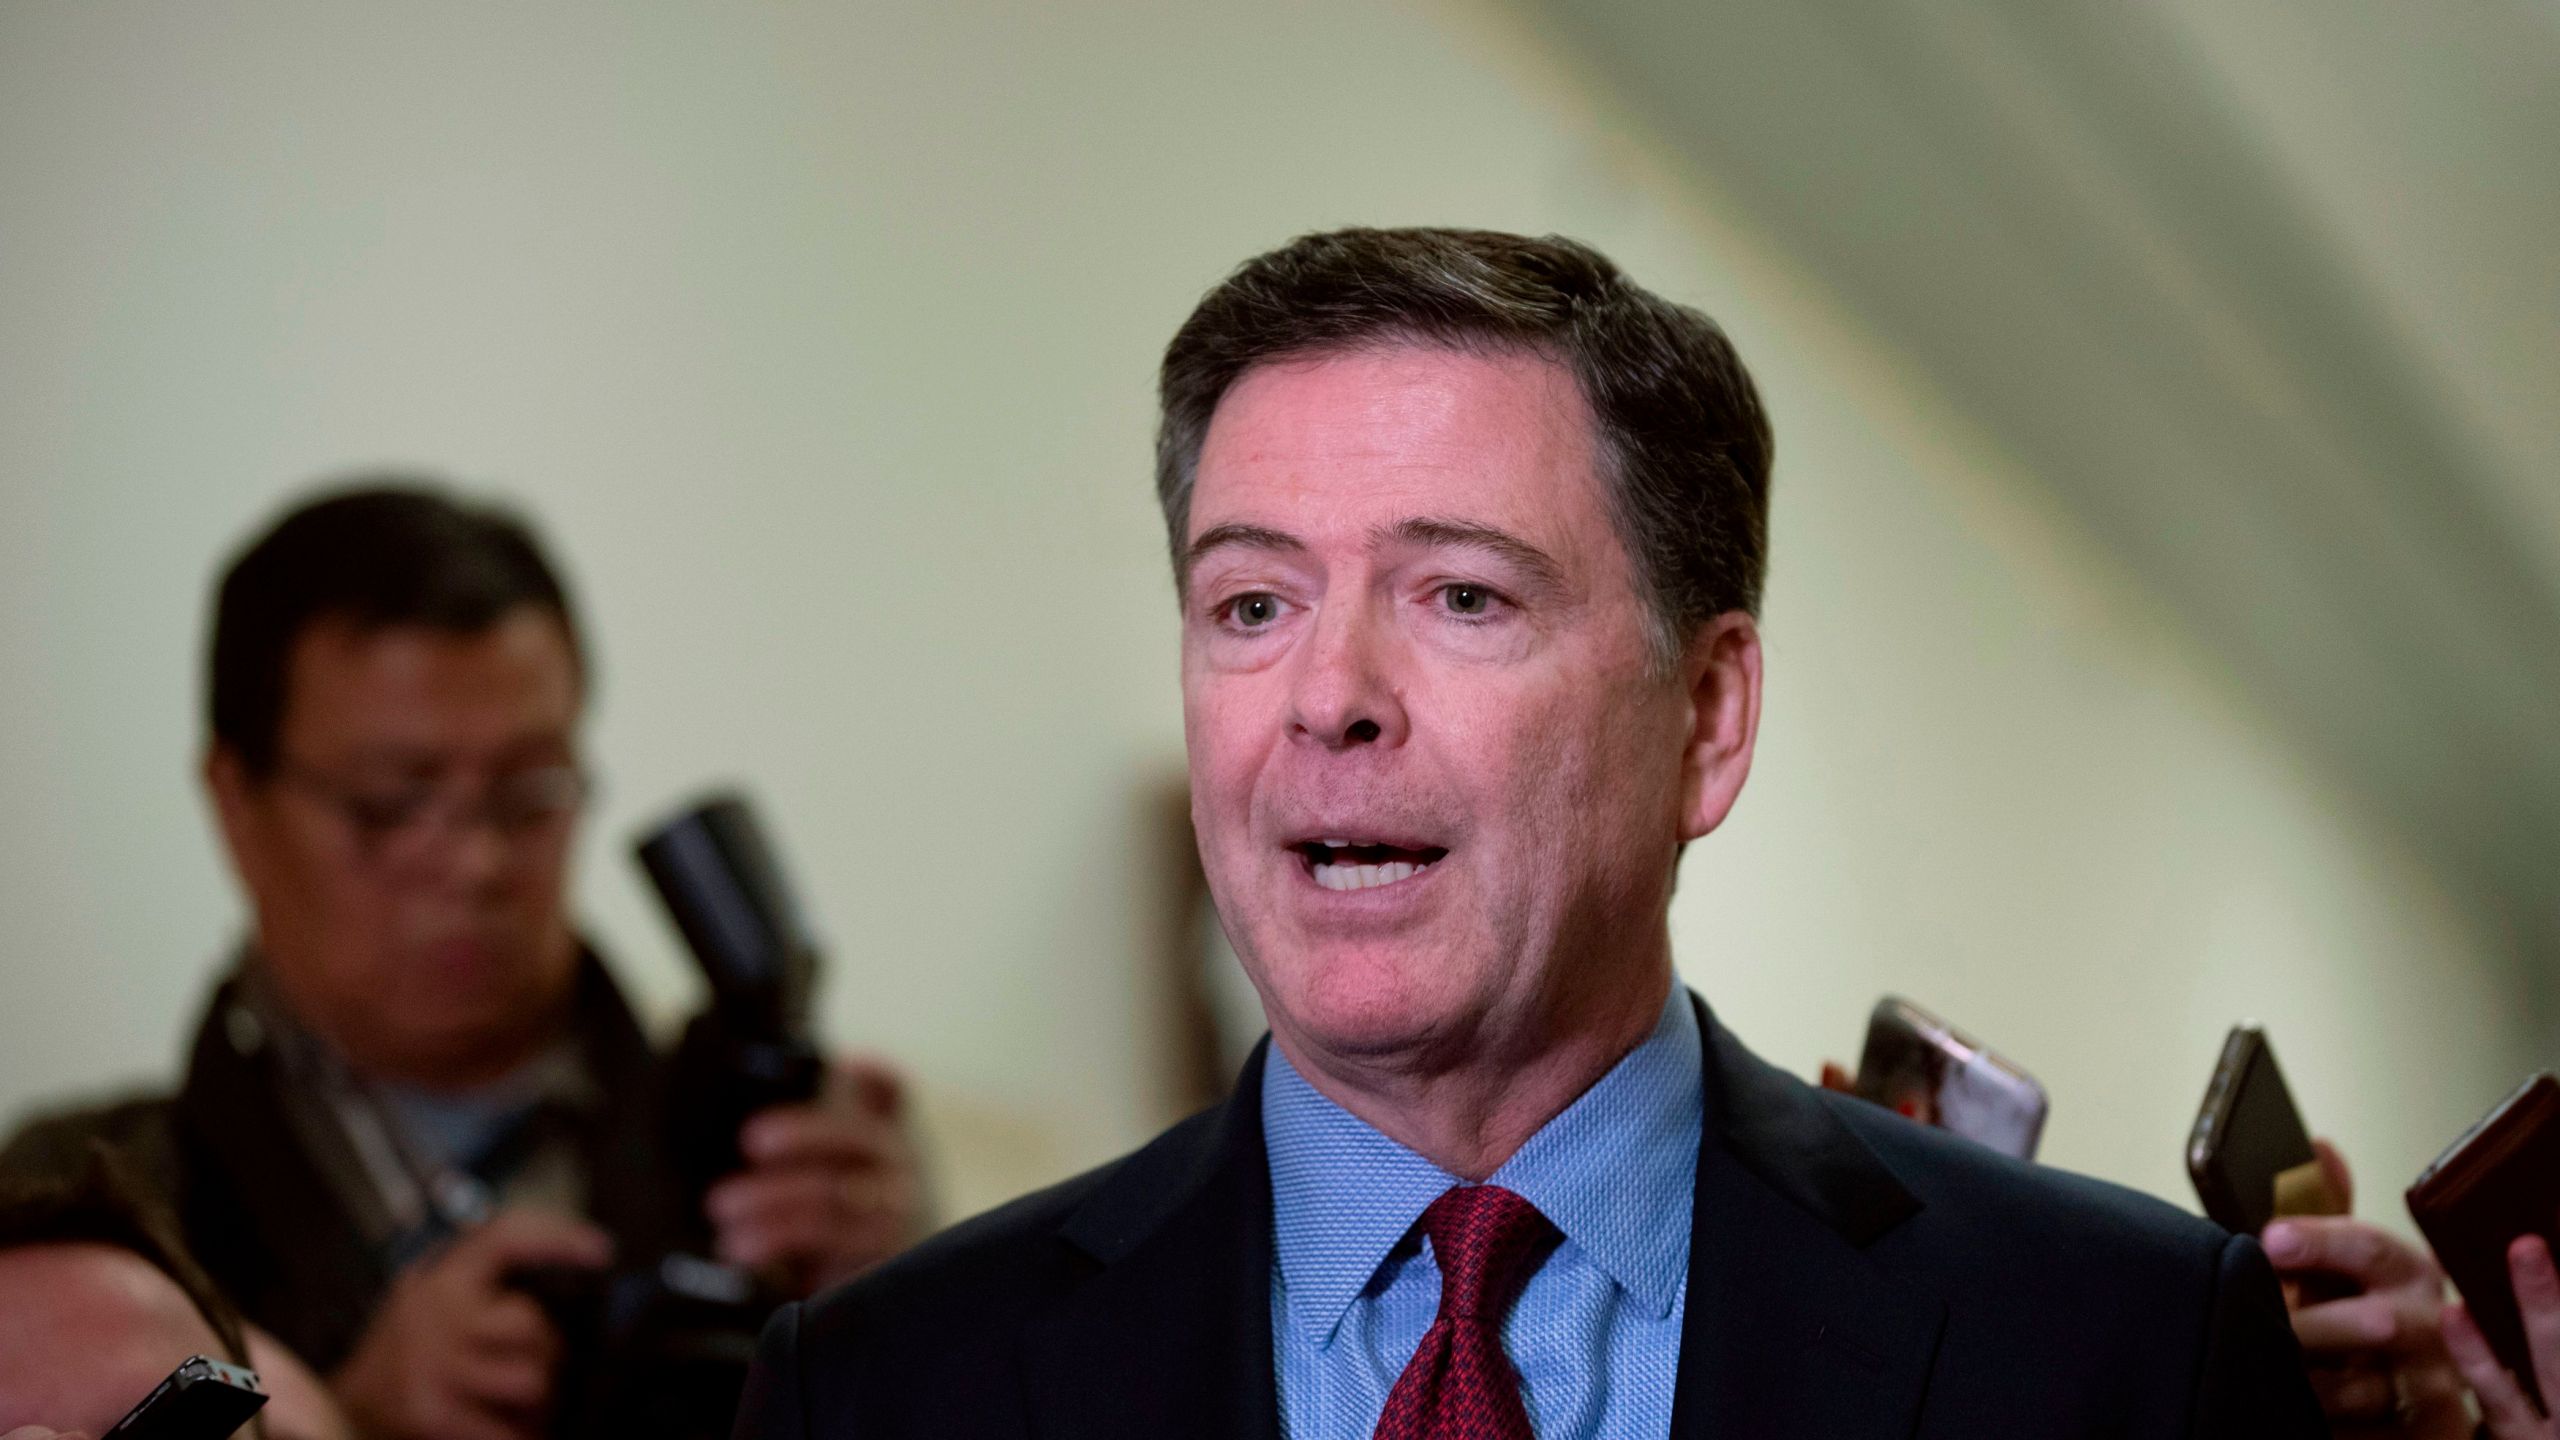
{"points": [[660, 1351], [750, 1048], [654, 1353]]}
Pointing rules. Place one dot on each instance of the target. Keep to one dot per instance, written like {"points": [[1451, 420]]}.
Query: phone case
{"points": [[1971, 1091], [2499, 1180], [2274, 1171], [201, 1400]]}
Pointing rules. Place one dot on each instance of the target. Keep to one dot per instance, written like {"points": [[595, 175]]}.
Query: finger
{"points": [[2354, 1393], [761, 1197], [2359, 1325], [2502, 1404], [513, 1324], [1835, 1078], [805, 1250], [2336, 1244], [517, 1387], [447, 1414], [2333, 1166], [819, 1135], [783, 1215], [872, 1082], [803, 1240], [2537, 1288], [514, 1239]]}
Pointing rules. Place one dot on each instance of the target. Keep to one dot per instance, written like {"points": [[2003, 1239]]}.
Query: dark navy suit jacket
{"points": [[1852, 1276]]}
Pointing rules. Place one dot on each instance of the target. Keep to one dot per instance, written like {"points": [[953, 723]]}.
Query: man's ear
{"points": [[1722, 671], [234, 793]]}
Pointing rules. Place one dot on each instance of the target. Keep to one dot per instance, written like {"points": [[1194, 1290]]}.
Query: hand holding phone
{"points": [[2497, 1183]]}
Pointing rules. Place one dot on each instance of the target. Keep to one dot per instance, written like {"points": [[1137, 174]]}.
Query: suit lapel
{"points": [[1170, 1337], [1790, 1328]]}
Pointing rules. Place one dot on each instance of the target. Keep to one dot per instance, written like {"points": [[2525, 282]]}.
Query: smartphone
{"points": [[2249, 1155], [1926, 1069], [201, 1400], [2498, 1180]]}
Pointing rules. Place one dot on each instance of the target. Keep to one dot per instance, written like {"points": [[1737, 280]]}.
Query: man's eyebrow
{"points": [[1244, 537], [1425, 530]]}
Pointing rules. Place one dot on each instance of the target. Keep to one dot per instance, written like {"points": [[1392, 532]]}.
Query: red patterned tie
{"points": [[1459, 1386]]}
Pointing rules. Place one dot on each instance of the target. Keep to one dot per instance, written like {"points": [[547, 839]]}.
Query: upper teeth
{"points": [[1363, 877], [1335, 844]]}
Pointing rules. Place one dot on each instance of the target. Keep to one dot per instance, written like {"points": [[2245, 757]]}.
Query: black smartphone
{"points": [[2500, 1179], [1929, 1071], [2249, 1155], [201, 1400]]}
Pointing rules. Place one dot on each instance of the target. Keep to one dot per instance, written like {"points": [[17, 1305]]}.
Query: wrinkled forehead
{"points": [[1501, 436]]}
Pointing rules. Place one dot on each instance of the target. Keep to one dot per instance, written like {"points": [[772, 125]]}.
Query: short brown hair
{"points": [[1685, 446], [378, 550]]}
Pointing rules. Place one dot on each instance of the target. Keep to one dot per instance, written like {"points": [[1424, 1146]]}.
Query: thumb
{"points": [[517, 1239], [2333, 1168], [874, 1083]]}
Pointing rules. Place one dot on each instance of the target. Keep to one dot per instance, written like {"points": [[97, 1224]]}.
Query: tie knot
{"points": [[1486, 1241]]}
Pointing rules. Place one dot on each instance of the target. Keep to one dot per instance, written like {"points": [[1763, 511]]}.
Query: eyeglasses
{"points": [[415, 821]]}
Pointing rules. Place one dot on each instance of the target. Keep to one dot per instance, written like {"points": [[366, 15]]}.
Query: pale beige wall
{"points": [[821, 338]]}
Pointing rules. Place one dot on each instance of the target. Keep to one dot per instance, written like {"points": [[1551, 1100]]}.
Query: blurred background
{"points": [[2164, 624]]}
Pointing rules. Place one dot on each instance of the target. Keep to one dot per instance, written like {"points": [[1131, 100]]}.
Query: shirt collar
{"points": [[1612, 1171]]}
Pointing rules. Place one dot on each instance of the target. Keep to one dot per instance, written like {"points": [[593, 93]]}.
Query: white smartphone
{"points": [[1921, 1067]]}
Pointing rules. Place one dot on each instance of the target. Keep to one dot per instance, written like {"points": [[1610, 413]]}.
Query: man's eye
{"points": [[537, 797], [384, 813], [1254, 611], [1469, 600]]}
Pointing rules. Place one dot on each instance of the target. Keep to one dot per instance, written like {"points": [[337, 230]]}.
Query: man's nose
{"points": [[1346, 692], [476, 854]]}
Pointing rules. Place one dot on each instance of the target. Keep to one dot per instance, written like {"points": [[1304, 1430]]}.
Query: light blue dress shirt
{"points": [[1596, 1333]]}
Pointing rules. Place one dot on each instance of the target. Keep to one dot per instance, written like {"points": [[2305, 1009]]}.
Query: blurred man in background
{"points": [[416, 1081]]}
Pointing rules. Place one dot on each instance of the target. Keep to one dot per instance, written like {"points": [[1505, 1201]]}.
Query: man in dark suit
{"points": [[1468, 531]]}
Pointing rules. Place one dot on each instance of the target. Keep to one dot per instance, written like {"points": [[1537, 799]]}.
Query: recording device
{"points": [[660, 1351], [201, 1400], [2500, 1179], [751, 1048], [655, 1353], [2249, 1155], [1922, 1067]]}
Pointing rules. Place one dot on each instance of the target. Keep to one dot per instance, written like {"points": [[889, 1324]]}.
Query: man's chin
{"points": [[444, 1038], [1364, 1014], [449, 1056]]}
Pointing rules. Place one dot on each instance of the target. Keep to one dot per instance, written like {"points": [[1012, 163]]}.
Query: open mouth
{"points": [[1364, 864]]}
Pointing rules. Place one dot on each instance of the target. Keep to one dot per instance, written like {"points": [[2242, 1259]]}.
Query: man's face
{"points": [[1409, 625], [407, 859]]}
